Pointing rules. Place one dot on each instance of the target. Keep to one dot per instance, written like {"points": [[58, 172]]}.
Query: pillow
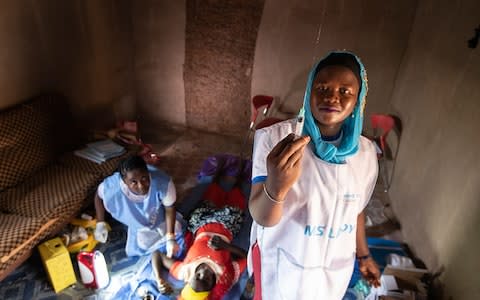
{"points": [[52, 192], [27, 139]]}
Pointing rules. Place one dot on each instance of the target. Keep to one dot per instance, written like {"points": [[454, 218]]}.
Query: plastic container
{"points": [[93, 269]]}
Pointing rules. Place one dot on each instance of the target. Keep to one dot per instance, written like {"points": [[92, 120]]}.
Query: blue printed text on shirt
{"points": [[331, 233]]}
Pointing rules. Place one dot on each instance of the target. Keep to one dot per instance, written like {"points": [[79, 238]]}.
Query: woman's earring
{"points": [[353, 116]]}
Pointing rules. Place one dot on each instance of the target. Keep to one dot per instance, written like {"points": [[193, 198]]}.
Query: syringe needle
{"points": [[299, 123]]}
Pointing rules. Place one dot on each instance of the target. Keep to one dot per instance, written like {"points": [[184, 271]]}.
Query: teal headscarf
{"points": [[352, 126]]}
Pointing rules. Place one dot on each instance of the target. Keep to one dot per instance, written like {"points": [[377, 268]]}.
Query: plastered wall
{"points": [[22, 57], [77, 48], [159, 54], [435, 191], [293, 35]]}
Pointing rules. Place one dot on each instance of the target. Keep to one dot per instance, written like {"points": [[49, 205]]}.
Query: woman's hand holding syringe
{"points": [[284, 161], [284, 165]]}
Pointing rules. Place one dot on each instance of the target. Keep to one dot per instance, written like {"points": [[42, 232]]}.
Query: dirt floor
{"points": [[182, 152]]}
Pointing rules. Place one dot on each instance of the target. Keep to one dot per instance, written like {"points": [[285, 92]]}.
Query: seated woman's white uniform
{"points": [[143, 214]]}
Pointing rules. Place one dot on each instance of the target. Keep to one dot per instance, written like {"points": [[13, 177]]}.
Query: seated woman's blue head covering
{"points": [[352, 126]]}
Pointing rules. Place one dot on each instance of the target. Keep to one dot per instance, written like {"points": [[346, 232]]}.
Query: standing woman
{"points": [[309, 193]]}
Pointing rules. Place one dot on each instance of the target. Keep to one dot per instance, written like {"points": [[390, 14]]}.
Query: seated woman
{"points": [[143, 198], [212, 265]]}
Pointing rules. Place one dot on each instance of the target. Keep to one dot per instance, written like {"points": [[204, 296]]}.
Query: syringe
{"points": [[299, 123]]}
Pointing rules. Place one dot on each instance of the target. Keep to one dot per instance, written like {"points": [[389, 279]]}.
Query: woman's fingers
{"points": [[287, 153], [287, 146], [295, 159], [283, 164], [281, 145], [292, 152]]}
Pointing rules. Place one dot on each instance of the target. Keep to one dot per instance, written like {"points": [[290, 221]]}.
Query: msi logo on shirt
{"points": [[351, 197], [331, 233]]}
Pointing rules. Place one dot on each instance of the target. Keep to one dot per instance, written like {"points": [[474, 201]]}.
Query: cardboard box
{"points": [[408, 278], [400, 284], [56, 261]]}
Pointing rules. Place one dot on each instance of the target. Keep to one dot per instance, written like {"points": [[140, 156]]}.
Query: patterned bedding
{"points": [[42, 184]]}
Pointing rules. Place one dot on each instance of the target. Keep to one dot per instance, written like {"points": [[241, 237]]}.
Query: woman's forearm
{"points": [[170, 217], [237, 252], [361, 239], [99, 208], [160, 259], [263, 210]]}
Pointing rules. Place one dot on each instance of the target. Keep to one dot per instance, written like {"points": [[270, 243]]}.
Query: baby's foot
{"points": [[164, 287]]}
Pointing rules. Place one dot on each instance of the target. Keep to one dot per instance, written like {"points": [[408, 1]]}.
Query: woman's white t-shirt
{"points": [[310, 253]]}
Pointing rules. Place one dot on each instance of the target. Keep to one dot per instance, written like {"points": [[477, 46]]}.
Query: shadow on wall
{"points": [[288, 106], [462, 261]]}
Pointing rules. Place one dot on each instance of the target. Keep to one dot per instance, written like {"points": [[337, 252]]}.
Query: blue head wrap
{"points": [[351, 128]]}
